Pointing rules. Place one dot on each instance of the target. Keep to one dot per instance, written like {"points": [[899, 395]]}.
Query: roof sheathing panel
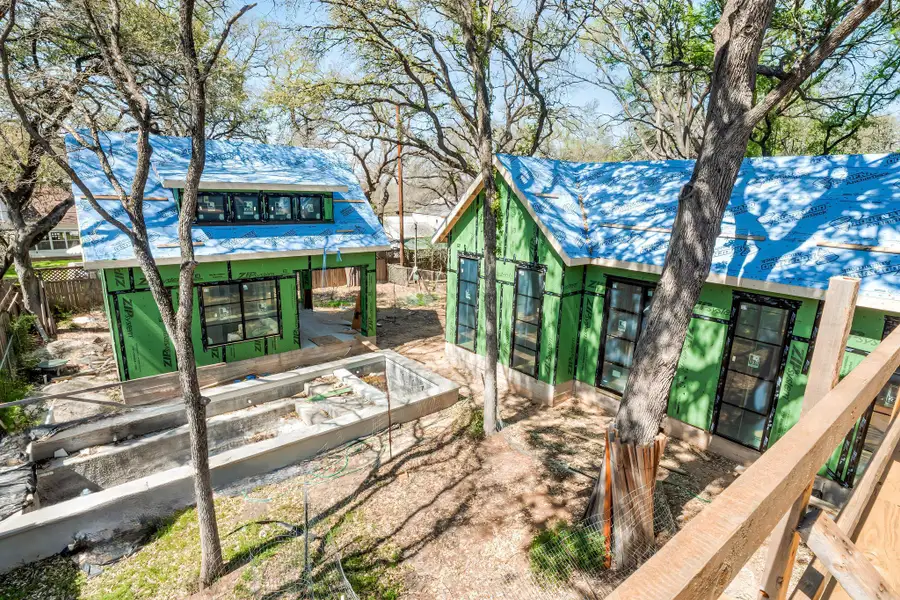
{"points": [[355, 226], [782, 222]]}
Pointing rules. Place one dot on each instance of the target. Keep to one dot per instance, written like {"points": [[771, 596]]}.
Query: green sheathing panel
{"points": [[113, 325], [519, 240], [591, 325], [568, 323], [141, 346], [794, 376]]}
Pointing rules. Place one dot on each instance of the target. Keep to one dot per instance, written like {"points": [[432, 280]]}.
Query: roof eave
{"points": [[236, 186], [175, 260]]}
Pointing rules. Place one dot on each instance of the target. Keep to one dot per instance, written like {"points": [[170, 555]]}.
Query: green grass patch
{"points": [[16, 418], [557, 552], [475, 427], [41, 264], [335, 303], [420, 299], [372, 575], [55, 578]]}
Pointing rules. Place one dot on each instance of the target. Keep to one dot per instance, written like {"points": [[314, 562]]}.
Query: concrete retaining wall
{"points": [[224, 399], [64, 479], [101, 515]]}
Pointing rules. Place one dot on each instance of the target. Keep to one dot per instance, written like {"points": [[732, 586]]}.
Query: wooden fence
{"points": [[348, 276], [10, 308], [772, 494], [72, 288]]}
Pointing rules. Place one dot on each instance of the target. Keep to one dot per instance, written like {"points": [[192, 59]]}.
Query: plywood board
{"points": [[879, 535]]}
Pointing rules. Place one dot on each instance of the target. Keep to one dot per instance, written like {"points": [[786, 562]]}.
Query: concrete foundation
{"points": [[142, 421], [516, 382], [104, 514]]}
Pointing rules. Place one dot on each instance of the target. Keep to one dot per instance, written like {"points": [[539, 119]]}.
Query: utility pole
{"points": [[400, 188]]}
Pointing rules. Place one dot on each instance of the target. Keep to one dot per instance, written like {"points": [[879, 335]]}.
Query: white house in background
{"points": [[421, 223], [63, 241]]}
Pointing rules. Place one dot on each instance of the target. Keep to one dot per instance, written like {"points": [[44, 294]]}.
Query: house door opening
{"points": [[331, 305], [753, 366]]}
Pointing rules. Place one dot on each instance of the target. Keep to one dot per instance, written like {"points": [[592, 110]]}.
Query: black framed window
{"points": [[309, 208], [212, 208], [752, 372], [236, 312], [280, 207], [467, 304], [887, 397], [245, 208], [526, 337], [255, 207], [625, 310]]}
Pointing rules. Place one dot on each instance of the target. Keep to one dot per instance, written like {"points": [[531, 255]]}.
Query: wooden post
{"points": [[816, 577], [843, 560], [824, 373]]}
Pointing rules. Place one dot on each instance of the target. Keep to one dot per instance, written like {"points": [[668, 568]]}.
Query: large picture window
{"points": [[236, 312], [467, 304], [526, 337], [253, 207], [627, 305]]}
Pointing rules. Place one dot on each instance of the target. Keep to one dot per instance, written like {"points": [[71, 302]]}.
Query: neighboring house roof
{"points": [[229, 165], [790, 225], [42, 202]]}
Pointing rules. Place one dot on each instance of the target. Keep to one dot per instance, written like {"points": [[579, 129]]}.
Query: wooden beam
{"points": [[824, 373], [843, 560], [816, 577], [704, 557], [861, 247]]}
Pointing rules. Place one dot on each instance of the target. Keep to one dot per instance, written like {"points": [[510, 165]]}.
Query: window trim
{"points": [[645, 287], [240, 283], [542, 272], [262, 198], [459, 258], [737, 298]]}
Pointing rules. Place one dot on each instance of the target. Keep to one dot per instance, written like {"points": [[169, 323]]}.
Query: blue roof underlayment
{"points": [[226, 161], [794, 203]]}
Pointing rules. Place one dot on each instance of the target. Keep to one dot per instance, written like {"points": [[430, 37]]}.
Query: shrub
{"points": [[15, 418]]}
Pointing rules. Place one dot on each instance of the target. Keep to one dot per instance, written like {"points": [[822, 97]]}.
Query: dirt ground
{"points": [[431, 511]]}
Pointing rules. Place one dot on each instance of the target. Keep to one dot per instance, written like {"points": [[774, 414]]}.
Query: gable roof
{"points": [[790, 225], [229, 165]]}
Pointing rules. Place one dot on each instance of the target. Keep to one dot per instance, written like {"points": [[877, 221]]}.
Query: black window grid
{"points": [[243, 320], [263, 208]]}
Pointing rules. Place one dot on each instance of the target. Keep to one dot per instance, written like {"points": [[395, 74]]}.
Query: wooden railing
{"points": [[705, 556]]}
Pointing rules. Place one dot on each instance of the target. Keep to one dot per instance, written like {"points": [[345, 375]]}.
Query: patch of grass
{"points": [[40, 264], [15, 418], [475, 427], [335, 303], [372, 577], [56, 578], [420, 299], [555, 553]]}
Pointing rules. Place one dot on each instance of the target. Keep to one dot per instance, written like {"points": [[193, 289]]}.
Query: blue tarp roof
{"points": [[356, 228], [795, 209]]}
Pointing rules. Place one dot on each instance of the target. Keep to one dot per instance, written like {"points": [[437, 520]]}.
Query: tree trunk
{"points": [[478, 44], [701, 205], [31, 290], [211, 565], [621, 503]]}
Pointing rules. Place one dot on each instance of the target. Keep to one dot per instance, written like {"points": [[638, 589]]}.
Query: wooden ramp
{"points": [[878, 537]]}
